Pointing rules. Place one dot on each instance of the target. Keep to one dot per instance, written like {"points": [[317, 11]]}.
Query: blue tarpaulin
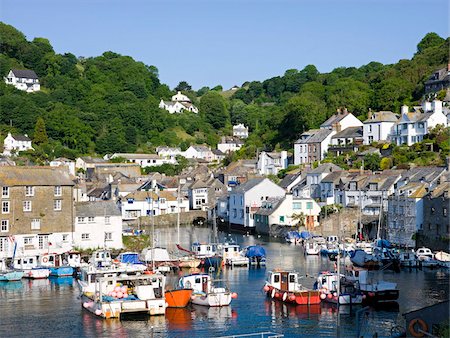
{"points": [[383, 243], [305, 234], [293, 234], [255, 251], [131, 258]]}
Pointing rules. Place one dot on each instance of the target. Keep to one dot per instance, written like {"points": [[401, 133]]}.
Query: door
{"points": [[284, 280], [205, 284], [57, 260]]}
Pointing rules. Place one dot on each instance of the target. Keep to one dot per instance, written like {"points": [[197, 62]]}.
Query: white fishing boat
{"points": [[312, 247], [118, 294], [426, 258], [337, 290], [374, 290], [207, 292], [159, 259], [30, 268], [7, 274], [443, 259], [362, 259], [232, 255]]}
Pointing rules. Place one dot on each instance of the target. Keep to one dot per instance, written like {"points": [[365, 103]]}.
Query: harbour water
{"points": [[52, 308]]}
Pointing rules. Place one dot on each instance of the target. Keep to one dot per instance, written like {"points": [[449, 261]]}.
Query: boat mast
{"points": [[216, 240], [379, 217], [178, 215]]}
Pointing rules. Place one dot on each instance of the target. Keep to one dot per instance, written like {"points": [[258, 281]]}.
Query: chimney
{"points": [[369, 114], [426, 106], [404, 109], [345, 111]]}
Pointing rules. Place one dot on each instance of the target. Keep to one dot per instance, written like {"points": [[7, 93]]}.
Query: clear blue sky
{"points": [[211, 42]]}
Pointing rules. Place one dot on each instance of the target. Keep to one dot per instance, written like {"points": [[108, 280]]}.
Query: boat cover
{"points": [[293, 234], [255, 251], [131, 258], [305, 235], [383, 243]]}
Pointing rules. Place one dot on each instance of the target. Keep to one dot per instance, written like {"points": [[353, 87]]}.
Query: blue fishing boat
{"points": [[58, 267], [10, 275]]}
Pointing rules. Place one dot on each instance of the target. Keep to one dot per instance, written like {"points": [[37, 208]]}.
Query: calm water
{"points": [[51, 308]]}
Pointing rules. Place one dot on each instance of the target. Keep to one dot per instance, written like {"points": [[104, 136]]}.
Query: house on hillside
{"points": [[247, 198], [240, 130], [378, 126], [144, 160], [291, 180], [229, 144], [64, 162], [203, 194], [23, 79], [237, 172], [97, 225], [178, 103], [413, 126], [341, 120], [168, 152], [439, 80], [312, 146], [199, 152], [345, 141], [13, 144], [270, 163]]}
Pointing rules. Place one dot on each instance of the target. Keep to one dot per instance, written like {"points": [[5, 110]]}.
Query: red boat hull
{"points": [[178, 298], [307, 297]]}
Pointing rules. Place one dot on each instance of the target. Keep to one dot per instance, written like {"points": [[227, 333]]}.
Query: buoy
{"points": [[117, 289], [330, 296], [292, 298], [277, 295], [119, 294], [124, 289], [85, 304], [114, 294], [323, 296], [234, 295], [98, 312], [335, 294], [266, 288], [273, 293], [422, 327]]}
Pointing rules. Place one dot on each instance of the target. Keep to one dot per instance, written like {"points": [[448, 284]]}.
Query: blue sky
{"points": [[211, 42]]}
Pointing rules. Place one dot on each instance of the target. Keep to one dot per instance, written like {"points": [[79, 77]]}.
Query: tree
{"points": [[385, 163], [430, 40], [213, 109], [300, 219], [183, 86], [40, 133]]}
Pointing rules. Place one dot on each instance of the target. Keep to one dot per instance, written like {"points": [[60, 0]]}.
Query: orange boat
{"points": [[178, 297]]}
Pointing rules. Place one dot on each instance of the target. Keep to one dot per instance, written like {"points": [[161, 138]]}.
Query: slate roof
{"points": [[427, 174], [34, 176], [274, 201], [130, 156], [25, 73], [325, 168], [18, 137], [288, 179], [382, 116], [217, 152], [143, 195], [334, 177], [92, 209], [318, 136], [250, 184], [200, 148], [335, 118], [350, 132], [440, 190]]}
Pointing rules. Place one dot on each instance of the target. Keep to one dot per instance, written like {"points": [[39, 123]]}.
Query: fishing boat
{"points": [[409, 259], [293, 237], [208, 254], [362, 259], [312, 248], [158, 259], [375, 291], [427, 258], [256, 255], [178, 297], [131, 294], [232, 255], [58, 267], [206, 291], [335, 289], [30, 268], [286, 286]]}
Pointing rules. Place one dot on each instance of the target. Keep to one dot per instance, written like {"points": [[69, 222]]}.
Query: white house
{"points": [[312, 145], [240, 130], [413, 126], [168, 152], [199, 151], [271, 163], [16, 143], [178, 103], [341, 120], [97, 225], [144, 160], [229, 144], [282, 211], [378, 126], [247, 198], [64, 162], [23, 79], [147, 203]]}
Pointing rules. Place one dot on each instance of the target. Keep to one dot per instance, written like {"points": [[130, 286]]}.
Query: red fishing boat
{"points": [[285, 286], [178, 297]]}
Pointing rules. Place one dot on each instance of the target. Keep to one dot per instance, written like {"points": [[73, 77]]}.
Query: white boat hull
{"points": [[212, 299], [36, 273]]}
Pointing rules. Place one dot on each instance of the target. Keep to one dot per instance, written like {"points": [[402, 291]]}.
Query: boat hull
{"points": [[215, 262], [61, 271], [380, 296], [37, 273], [307, 297], [178, 298], [189, 263], [213, 299], [11, 276]]}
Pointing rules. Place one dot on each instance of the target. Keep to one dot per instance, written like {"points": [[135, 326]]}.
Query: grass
{"points": [[135, 243]]}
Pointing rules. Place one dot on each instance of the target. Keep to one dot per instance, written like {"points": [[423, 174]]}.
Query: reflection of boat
{"points": [[375, 291], [285, 286], [216, 313], [179, 318], [67, 280], [11, 286], [178, 297], [207, 292]]}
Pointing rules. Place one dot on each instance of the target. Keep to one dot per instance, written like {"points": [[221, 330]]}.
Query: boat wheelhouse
{"points": [[328, 283], [312, 247], [57, 264], [232, 255], [286, 286], [30, 268]]}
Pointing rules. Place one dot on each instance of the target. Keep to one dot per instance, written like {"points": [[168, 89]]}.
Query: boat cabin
{"points": [[332, 239], [101, 258], [204, 249], [229, 250], [26, 263], [197, 282], [424, 252], [73, 259], [283, 280], [52, 260]]}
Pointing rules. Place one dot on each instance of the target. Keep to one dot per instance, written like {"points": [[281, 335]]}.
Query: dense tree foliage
{"points": [[109, 103]]}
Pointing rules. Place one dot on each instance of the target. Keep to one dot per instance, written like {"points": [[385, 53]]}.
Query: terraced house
{"points": [[36, 210]]}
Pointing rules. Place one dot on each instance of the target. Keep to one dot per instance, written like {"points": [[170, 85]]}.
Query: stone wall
{"points": [[347, 218], [186, 218]]}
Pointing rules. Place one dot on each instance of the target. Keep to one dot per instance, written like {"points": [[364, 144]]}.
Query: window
{"points": [[26, 205], [91, 219], [370, 139], [3, 244], [296, 205], [309, 205], [57, 205], [276, 278], [57, 190], [81, 219], [242, 213], [4, 227], [444, 212], [5, 192], [421, 125], [404, 126], [5, 207], [373, 186], [35, 224], [84, 237], [43, 243], [65, 237], [107, 220], [291, 278], [29, 190], [281, 219], [370, 128], [27, 240], [162, 200], [108, 236]]}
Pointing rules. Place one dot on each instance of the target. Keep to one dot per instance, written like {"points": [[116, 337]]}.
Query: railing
{"points": [[258, 334]]}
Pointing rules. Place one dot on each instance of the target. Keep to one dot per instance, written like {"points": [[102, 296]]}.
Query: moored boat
{"points": [[312, 248], [256, 255], [55, 263], [178, 297], [206, 291], [327, 283], [10, 275], [409, 259], [232, 255], [286, 286], [30, 268], [443, 259]]}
